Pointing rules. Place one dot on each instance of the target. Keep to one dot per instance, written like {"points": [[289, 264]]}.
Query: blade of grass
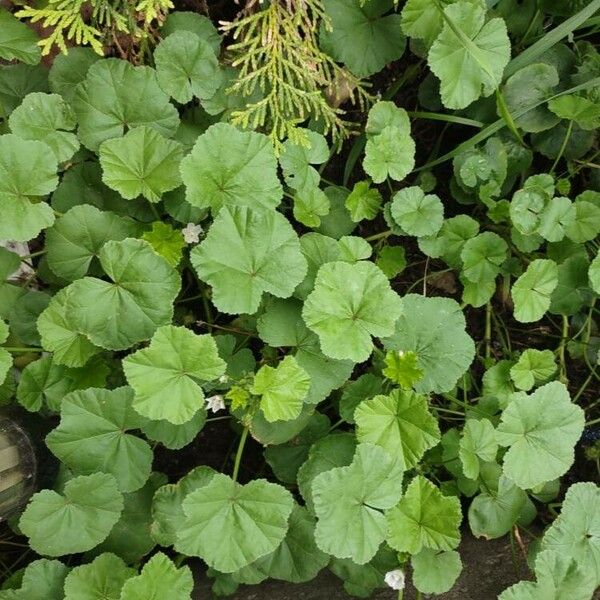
{"points": [[417, 114], [551, 38]]}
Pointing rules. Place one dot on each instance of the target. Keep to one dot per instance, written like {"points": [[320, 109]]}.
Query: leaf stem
{"points": [[561, 349], [24, 349], [379, 236], [213, 419], [488, 331], [563, 146], [240, 451]]}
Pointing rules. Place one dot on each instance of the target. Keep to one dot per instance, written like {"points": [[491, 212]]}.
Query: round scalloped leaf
{"points": [[76, 521], [424, 518], [383, 114], [229, 167], [49, 119], [390, 153], [76, 238], [482, 257], [532, 291], [92, 436], [27, 169], [17, 40], [349, 304], [469, 55], [129, 310], [576, 531], [532, 368], [282, 389], [57, 334], [69, 70], [349, 503], [418, 214], [586, 224], [477, 443], [167, 375], [423, 19], [434, 328], [310, 204], [159, 579], [248, 252], [230, 525], [186, 66], [175, 437], [102, 579], [317, 249], [555, 218], [400, 423], [296, 161], [142, 162], [190, 21], [376, 37], [363, 202], [167, 511], [541, 431], [435, 572], [42, 579], [115, 96]]}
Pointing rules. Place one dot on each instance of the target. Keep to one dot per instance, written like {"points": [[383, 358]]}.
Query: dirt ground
{"points": [[488, 570]]}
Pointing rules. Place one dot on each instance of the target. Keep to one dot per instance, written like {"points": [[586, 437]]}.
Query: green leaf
{"points": [[541, 431], [190, 21], [435, 572], [532, 291], [495, 511], [572, 291], [335, 450], [354, 248], [159, 579], [423, 19], [186, 66], [434, 329], [483, 256], [582, 111], [167, 375], [49, 119], [376, 39], [349, 502], [229, 167], [102, 579], [310, 204], [175, 437], [317, 249], [16, 81], [142, 162], [555, 218], [75, 240], [355, 392], [17, 40], [391, 154], [403, 368], [528, 202], [298, 558], [69, 70], [338, 222], [363, 202], [478, 442], [296, 161], [69, 347], [166, 241], [391, 260], [282, 389], [576, 531], [586, 224], [167, 510], [525, 89], [469, 55], [450, 239], [533, 368], [351, 303], [76, 521], [416, 213], [131, 538], [424, 518], [230, 525], [43, 579], [106, 107], [27, 169], [129, 310], [594, 274], [400, 423], [93, 436], [383, 114], [248, 252]]}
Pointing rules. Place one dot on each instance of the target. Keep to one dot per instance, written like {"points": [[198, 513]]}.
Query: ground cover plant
{"points": [[301, 285]]}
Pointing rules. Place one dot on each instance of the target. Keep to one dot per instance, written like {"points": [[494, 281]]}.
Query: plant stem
{"points": [[561, 349], [213, 419], [488, 331], [379, 236], [563, 146], [12, 349], [594, 422], [400, 594], [240, 451]]}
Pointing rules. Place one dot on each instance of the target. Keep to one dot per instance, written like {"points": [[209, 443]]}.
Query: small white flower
{"points": [[191, 233], [395, 579], [223, 379], [215, 403]]}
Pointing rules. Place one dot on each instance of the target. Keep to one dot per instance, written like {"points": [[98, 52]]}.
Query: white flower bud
{"points": [[395, 579]]}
